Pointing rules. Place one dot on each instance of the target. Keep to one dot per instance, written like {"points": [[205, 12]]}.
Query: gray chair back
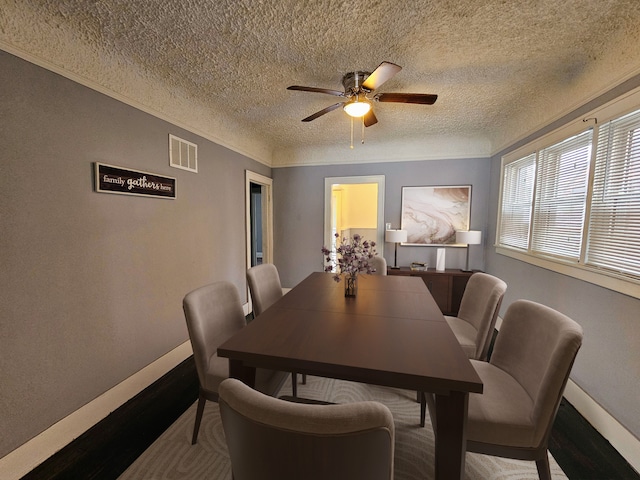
{"points": [[474, 325], [271, 439], [380, 264], [480, 306], [213, 314], [537, 346], [264, 285], [523, 384], [266, 289]]}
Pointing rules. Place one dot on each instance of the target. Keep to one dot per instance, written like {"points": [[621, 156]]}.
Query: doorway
{"points": [[259, 218], [354, 205]]}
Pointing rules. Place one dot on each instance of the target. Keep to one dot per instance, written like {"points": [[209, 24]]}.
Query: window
{"points": [[573, 205], [614, 227], [560, 197], [517, 195]]}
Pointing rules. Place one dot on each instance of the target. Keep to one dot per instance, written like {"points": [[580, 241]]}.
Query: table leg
{"points": [[237, 369], [451, 435]]}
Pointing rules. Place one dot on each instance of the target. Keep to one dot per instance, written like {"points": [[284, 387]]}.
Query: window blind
{"points": [[562, 176], [614, 227], [517, 196]]}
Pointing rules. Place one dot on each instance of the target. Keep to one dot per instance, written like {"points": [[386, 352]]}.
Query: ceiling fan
{"points": [[358, 94]]}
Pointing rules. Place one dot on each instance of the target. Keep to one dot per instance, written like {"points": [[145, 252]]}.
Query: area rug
{"points": [[173, 457]]}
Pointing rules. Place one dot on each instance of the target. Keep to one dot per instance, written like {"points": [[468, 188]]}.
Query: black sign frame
{"points": [[124, 181]]}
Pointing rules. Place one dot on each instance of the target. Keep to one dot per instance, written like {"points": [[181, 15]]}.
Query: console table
{"points": [[446, 287]]}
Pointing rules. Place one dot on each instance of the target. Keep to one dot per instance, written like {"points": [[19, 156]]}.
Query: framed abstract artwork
{"points": [[431, 215]]}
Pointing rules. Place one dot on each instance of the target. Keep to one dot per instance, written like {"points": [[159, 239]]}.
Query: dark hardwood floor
{"points": [[107, 449], [582, 452]]}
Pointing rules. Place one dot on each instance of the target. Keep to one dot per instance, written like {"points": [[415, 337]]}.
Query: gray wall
{"points": [[607, 367], [299, 210], [91, 284]]}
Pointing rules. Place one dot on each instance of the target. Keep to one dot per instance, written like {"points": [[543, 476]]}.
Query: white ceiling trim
{"points": [[434, 147]]}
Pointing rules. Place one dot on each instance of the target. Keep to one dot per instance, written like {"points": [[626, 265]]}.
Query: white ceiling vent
{"points": [[183, 154]]}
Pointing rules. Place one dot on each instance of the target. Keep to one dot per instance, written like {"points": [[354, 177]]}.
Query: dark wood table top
{"points": [[391, 334]]}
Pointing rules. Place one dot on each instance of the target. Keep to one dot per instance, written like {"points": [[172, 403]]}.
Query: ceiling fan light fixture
{"points": [[357, 108], [357, 85]]}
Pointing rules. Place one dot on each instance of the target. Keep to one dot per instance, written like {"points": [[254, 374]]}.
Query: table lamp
{"points": [[468, 237], [395, 236]]}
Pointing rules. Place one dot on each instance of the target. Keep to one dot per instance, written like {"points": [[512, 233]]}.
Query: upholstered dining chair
{"points": [[213, 314], [523, 384], [380, 265], [271, 439], [476, 319], [265, 287]]}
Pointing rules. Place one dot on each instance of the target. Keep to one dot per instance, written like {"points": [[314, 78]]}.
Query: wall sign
{"points": [[110, 179]]}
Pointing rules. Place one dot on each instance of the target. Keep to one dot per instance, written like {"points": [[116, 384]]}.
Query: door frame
{"points": [[379, 179], [267, 216]]}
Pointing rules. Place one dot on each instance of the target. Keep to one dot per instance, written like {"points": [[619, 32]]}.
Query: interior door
{"points": [[259, 217], [256, 207]]}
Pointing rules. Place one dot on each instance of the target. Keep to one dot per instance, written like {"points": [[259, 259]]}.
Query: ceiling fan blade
{"points": [[420, 98], [370, 118], [322, 112], [384, 72], [337, 93]]}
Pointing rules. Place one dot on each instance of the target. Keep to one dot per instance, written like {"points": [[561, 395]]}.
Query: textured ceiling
{"points": [[501, 68]]}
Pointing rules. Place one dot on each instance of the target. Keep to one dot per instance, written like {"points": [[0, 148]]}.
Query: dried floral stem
{"points": [[354, 255]]}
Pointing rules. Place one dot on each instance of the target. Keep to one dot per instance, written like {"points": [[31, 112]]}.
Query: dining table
{"points": [[391, 333]]}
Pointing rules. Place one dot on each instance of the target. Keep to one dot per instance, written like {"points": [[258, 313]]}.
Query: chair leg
{"points": [[544, 471], [423, 408], [304, 378], [200, 410], [294, 383]]}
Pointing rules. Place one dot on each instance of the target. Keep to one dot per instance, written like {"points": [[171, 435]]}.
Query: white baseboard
{"points": [[618, 436], [28, 456]]}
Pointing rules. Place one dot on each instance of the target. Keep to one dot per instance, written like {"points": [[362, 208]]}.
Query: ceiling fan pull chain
{"points": [[363, 130], [351, 133]]}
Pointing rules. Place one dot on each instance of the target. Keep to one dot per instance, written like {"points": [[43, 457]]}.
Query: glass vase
{"points": [[350, 285]]}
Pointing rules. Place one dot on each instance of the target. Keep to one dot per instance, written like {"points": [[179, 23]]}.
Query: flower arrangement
{"points": [[354, 255]]}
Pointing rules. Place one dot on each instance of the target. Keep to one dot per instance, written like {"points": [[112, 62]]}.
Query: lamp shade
{"points": [[395, 236], [469, 237]]}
